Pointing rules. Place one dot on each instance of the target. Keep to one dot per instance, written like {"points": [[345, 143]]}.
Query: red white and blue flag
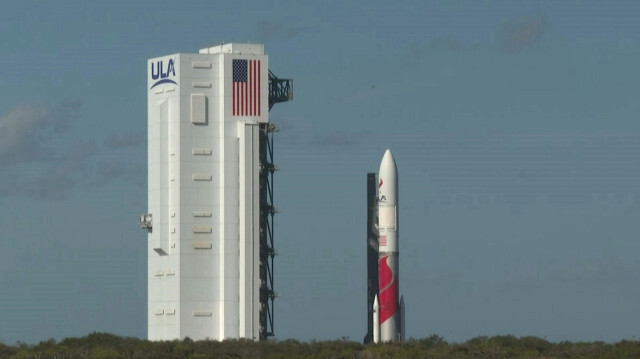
{"points": [[382, 240], [246, 87]]}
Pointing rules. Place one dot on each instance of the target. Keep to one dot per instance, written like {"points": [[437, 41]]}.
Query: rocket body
{"points": [[388, 274]]}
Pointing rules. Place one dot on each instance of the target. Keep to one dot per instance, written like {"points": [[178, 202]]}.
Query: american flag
{"points": [[382, 240], [246, 88]]}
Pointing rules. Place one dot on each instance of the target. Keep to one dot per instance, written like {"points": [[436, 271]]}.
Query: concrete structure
{"points": [[206, 112]]}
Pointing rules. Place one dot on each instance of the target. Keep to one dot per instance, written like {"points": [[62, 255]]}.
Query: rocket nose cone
{"points": [[388, 155], [388, 179], [388, 163]]}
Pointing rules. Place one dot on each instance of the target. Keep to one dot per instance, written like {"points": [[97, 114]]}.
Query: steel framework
{"points": [[280, 90]]}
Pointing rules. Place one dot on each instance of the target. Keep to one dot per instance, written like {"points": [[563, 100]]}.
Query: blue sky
{"points": [[513, 124]]}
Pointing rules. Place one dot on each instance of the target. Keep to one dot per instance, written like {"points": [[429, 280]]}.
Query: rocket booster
{"points": [[388, 274], [376, 322]]}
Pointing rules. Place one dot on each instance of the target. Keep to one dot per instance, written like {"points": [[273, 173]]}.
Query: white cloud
{"points": [[26, 131], [35, 163]]}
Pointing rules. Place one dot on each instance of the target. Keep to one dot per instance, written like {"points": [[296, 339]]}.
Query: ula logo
{"points": [[158, 73]]}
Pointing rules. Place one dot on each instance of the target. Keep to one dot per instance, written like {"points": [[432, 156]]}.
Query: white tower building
{"points": [[205, 114]]}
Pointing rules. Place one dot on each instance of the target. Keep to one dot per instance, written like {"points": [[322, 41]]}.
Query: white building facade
{"points": [[205, 112]]}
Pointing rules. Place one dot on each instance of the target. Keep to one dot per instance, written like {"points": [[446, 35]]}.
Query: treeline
{"points": [[103, 346]]}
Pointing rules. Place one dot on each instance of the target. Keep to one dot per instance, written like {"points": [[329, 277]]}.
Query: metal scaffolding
{"points": [[280, 90]]}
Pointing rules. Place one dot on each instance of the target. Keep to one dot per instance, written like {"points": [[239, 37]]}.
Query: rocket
{"points": [[390, 316], [385, 308]]}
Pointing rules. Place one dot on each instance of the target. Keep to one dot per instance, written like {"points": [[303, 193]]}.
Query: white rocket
{"points": [[390, 312]]}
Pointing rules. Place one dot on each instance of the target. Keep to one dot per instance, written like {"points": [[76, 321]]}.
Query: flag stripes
{"points": [[246, 88]]}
